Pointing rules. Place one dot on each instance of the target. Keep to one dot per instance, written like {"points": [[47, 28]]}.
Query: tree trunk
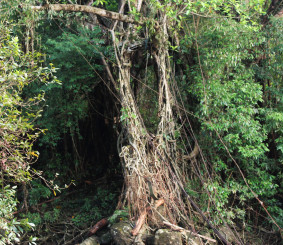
{"points": [[150, 160]]}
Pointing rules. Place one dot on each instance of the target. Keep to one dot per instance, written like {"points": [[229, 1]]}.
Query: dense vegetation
{"points": [[184, 95]]}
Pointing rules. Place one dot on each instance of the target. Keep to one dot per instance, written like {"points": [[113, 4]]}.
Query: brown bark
{"points": [[87, 9], [101, 223]]}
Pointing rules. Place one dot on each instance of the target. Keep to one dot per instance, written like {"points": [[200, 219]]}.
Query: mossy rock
{"points": [[105, 238], [121, 233], [93, 240], [165, 236]]}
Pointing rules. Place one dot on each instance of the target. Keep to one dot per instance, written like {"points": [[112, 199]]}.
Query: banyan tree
{"points": [[155, 163]]}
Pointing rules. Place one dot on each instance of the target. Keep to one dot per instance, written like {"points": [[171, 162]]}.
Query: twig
{"points": [[77, 236], [178, 228]]}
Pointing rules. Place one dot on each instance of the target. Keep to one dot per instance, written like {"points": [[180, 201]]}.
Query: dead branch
{"points": [[178, 228], [101, 223], [143, 215], [77, 236], [87, 9]]}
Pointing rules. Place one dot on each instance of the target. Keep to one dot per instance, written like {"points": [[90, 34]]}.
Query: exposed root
{"points": [[142, 218]]}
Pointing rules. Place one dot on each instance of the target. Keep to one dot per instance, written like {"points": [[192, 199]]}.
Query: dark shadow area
{"points": [[88, 166]]}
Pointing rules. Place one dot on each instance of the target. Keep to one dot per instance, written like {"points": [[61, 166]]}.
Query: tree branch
{"points": [[87, 9]]}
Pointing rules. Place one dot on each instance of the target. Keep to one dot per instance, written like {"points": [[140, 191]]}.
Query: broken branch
{"points": [[87, 9], [101, 223]]}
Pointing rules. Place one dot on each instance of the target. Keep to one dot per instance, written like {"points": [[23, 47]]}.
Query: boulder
{"points": [[121, 233], [165, 236], [228, 234], [105, 238], [195, 240], [93, 240]]}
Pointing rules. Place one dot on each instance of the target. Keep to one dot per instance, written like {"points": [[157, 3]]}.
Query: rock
{"points": [[159, 215], [143, 236], [105, 238], [228, 234], [93, 240], [164, 236], [194, 240], [121, 233]]}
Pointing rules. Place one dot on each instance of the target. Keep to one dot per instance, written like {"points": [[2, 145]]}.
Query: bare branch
{"points": [[87, 9]]}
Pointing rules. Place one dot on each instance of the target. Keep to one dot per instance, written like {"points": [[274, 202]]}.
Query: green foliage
{"points": [[94, 208], [8, 206], [38, 191], [81, 210], [126, 114], [230, 98], [35, 218], [49, 217], [76, 51], [269, 72], [16, 114], [11, 229], [119, 215], [17, 132], [77, 78], [111, 5], [52, 216]]}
